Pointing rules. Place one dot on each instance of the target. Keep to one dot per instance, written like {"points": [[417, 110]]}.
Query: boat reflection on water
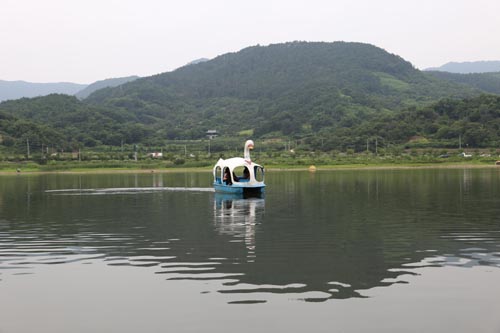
{"points": [[238, 215]]}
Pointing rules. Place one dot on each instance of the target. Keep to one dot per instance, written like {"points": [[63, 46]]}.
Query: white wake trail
{"points": [[126, 190]]}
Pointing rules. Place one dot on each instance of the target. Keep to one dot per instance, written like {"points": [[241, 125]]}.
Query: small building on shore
{"points": [[211, 134], [156, 155]]}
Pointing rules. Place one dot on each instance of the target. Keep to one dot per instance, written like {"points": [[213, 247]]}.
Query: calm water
{"points": [[336, 251]]}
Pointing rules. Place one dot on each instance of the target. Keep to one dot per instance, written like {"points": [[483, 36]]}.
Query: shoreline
{"points": [[269, 169]]}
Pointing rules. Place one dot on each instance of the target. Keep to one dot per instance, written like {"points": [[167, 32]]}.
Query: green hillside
{"points": [[15, 132], [476, 121], [63, 121], [488, 82]]}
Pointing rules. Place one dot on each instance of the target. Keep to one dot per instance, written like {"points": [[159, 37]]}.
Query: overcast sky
{"points": [[88, 40]]}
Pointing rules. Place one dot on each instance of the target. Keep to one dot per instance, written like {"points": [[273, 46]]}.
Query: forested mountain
{"points": [[328, 95], [468, 67], [476, 120], [19, 89], [287, 88], [84, 93], [488, 82], [15, 131], [63, 121]]}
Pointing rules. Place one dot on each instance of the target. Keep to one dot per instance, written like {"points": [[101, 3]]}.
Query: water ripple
{"points": [[127, 190]]}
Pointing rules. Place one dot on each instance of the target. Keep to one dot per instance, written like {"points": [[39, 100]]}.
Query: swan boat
{"points": [[239, 175]]}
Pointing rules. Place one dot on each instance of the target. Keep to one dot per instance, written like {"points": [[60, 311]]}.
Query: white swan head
{"points": [[248, 147]]}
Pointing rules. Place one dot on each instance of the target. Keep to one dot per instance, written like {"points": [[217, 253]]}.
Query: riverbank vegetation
{"points": [[272, 154]]}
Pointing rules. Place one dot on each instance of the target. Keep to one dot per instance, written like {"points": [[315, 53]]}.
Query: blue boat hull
{"points": [[237, 189]]}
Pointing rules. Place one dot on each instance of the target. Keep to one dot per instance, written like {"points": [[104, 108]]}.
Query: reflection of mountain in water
{"points": [[322, 236]]}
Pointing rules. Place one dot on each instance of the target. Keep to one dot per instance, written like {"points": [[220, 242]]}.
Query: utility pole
{"points": [[460, 141], [28, 147], [376, 146], [367, 150]]}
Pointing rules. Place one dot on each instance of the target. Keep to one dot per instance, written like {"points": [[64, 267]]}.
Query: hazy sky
{"points": [[87, 40]]}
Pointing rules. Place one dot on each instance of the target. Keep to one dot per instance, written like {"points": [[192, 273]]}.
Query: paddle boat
{"points": [[239, 175]]}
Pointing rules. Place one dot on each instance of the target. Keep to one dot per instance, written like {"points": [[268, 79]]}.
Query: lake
{"points": [[332, 251]]}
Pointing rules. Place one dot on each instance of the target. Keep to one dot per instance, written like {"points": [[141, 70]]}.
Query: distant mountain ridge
{"points": [[468, 67], [10, 90], [19, 89], [85, 92], [197, 61]]}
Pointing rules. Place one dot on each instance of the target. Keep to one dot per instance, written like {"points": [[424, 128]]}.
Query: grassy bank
{"points": [[360, 161]]}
